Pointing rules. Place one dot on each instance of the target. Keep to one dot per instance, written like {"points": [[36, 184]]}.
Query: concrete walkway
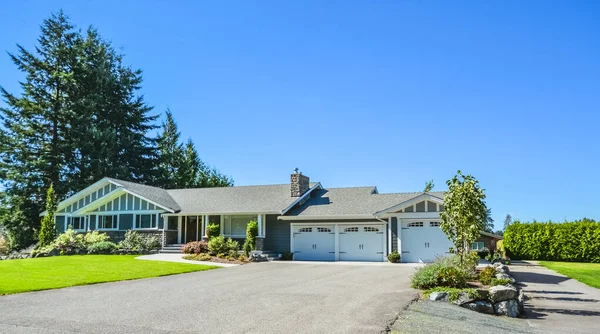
{"points": [[179, 258], [556, 303]]}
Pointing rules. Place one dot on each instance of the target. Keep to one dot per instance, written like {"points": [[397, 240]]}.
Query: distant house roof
{"points": [[352, 202], [239, 199], [492, 235], [155, 194]]}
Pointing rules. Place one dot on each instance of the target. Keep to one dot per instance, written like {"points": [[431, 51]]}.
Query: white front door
{"points": [[361, 242], [423, 241], [314, 243]]}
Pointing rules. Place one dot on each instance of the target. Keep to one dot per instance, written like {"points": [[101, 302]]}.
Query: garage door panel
{"points": [[361, 242], [314, 243], [423, 241]]}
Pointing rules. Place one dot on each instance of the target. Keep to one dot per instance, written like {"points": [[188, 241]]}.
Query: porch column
{"points": [[178, 229], [205, 223], [260, 227], [389, 227]]}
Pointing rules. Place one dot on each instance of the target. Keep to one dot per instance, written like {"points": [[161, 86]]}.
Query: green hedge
{"points": [[577, 241]]}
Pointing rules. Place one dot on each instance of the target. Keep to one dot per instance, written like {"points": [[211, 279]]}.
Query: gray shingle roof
{"points": [[239, 199], [351, 202], [155, 194]]}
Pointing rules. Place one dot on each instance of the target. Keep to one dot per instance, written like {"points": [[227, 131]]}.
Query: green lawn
{"points": [[588, 273], [62, 271]]}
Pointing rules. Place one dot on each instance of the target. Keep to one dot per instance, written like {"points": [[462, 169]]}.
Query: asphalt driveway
{"points": [[256, 298]]}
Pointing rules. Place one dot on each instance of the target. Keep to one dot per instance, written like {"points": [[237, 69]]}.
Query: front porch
{"points": [[183, 228]]}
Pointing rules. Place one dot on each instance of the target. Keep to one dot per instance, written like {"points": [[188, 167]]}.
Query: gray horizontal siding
{"points": [[277, 234]]}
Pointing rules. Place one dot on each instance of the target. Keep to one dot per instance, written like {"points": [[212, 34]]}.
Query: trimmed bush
{"points": [[136, 242], [213, 230], [94, 237], [195, 247], [486, 275], [287, 256], [577, 241], [219, 246], [444, 271], [394, 257], [102, 247], [70, 242], [251, 233]]}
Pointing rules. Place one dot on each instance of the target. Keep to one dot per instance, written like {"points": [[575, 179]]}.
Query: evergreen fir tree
{"points": [[47, 232], [170, 155]]}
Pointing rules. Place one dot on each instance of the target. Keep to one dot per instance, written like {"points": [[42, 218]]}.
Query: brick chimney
{"points": [[299, 184]]}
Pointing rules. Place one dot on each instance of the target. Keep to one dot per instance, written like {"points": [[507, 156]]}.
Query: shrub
{"points": [[3, 245], [503, 281], [394, 257], [577, 241], [213, 230], [444, 271], [489, 257], [454, 293], [195, 247], [94, 237], [251, 233], [102, 247], [221, 256], [486, 275], [483, 254], [134, 241], [218, 245], [287, 256], [69, 242], [198, 257]]}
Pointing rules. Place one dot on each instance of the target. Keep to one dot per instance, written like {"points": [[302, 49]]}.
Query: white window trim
{"points": [[68, 222], [236, 236], [145, 228], [106, 229], [478, 249]]}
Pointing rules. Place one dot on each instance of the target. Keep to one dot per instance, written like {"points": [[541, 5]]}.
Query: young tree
{"points": [[507, 221], [47, 232], [465, 212], [428, 186]]}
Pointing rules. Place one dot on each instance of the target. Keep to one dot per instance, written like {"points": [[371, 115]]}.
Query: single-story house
{"points": [[303, 217], [486, 241]]}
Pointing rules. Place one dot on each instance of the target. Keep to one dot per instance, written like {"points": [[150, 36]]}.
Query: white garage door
{"points": [[361, 242], [314, 243], [423, 241]]}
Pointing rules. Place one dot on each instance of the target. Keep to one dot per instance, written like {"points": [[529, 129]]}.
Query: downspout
{"points": [[390, 229]]}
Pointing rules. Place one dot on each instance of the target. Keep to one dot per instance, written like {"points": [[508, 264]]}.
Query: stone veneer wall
{"points": [[299, 184]]}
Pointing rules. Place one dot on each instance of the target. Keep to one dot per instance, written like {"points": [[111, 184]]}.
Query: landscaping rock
{"points": [[506, 276], [521, 301], [501, 268], [54, 252], [463, 298], [509, 308], [3, 257], [500, 293], [439, 296], [481, 306]]}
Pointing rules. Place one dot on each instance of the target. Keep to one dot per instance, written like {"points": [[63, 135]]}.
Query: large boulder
{"points": [[501, 268], [463, 298], [439, 296], [500, 293], [506, 276], [509, 308], [481, 306]]}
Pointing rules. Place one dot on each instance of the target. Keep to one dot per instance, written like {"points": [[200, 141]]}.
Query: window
{"points": [[305, 229], [107, 222], [145, 221], [323, 229], [434, 224], [76, 223], [236, 225], [478, 246], [415, 224], [351, 229], [371, 229]]}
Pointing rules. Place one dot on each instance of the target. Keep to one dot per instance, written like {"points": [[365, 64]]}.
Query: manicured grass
{"points": [[588, 273], [63, 271]]}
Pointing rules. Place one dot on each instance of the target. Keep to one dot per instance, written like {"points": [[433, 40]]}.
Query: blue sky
{"points": [[385, 93]]}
